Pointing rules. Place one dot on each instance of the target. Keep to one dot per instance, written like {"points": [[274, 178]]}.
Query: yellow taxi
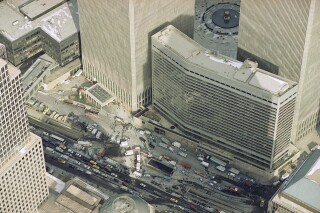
{"points": [[95, 166], [93, 162], [173, 200]]}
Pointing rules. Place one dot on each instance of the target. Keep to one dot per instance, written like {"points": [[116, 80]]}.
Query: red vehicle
{"points": [[185, 165]]}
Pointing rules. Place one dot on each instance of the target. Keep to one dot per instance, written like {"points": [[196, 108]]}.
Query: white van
{"points": [[200, 159], [284, 176]]}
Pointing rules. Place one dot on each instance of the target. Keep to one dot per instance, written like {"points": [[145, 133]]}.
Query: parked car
{"points": [[284, 176], [142, 184], [173, 200]]}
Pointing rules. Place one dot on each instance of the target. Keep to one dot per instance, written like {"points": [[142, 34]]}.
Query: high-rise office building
{"points": [[234, 106], [23, 185], [116, 42], [283, 37]]}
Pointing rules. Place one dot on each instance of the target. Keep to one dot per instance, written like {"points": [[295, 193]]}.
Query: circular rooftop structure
{"points": [[222, 19], [226, 18], [125, 203], [216, 25]]}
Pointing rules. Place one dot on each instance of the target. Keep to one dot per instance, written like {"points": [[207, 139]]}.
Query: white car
{"points": [[142, 184], [96, 171], [77, 154], [284, 176], [69, 150], [114, 175], [231, 174]]}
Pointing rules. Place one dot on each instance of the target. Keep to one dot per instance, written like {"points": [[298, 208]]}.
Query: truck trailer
{"points": [[221, 168], [205, 164]]}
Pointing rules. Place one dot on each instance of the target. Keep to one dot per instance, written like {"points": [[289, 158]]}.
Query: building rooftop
{"points": [[207, 31], [210, 62], [61, 71], [269, 83], [82, 195], [304, 186], [100, 94], [59, 20], [12, 24], [62, 203], [18, 3], [38, 8], [71, 204], [40, 66]]}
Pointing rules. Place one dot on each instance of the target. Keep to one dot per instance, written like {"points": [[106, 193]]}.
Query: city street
{"points": [[190, 181]]}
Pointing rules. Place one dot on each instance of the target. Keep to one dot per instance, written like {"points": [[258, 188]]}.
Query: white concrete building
{"points": [[116, 44], [30, 27], [233, 105], [284, 38], [23, 184]]}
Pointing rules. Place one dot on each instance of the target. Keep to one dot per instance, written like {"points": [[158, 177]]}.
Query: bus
{"points": [[164, 140], [57, 138], [218, 161]]}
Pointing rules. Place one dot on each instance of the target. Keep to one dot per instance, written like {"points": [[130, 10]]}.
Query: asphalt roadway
{"points": [[124, 182], [159, 196]]}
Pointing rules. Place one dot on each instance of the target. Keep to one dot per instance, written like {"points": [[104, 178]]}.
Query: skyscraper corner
{"points": [[23, 185], [284, 37], [116, 43]]}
